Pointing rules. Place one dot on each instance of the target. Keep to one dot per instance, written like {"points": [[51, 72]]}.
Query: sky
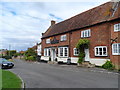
{"points": [[21, 23]]}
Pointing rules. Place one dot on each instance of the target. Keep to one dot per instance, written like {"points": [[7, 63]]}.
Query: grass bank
{"points": [[10, 80]]}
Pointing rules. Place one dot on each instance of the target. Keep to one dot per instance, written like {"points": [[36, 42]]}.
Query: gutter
{"points": [[23, 84]]}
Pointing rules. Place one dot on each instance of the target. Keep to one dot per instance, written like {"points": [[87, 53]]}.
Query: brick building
{"points": [[101, 25]]}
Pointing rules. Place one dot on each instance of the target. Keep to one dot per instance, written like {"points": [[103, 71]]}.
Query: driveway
{"points": [[43, 75]]}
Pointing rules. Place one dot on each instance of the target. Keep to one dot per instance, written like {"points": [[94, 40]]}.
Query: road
{"points": [[43, 75]]}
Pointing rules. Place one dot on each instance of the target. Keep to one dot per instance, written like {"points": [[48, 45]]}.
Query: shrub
{"points": [[81, 45], [25, 58], [81, 57], [31, 58], [7, 57], [108, 65]]}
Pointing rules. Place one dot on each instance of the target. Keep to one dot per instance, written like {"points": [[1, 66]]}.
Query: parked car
{"points": [[5, 64]]}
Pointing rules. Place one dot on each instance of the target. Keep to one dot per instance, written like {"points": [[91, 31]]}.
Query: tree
{"points": [[30, 52], [11, 52], [81, 45]]}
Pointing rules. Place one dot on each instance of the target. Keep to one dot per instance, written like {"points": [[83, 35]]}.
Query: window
{"points": [[63, 38], [101, 51], [116, 49], [47, 41], [47, 52], [86, 33], [117, 27], [63, 51], [76, 51]]}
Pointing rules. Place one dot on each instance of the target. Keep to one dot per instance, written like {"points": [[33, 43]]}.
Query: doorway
{"points": [[87, 57], [53, 54]]}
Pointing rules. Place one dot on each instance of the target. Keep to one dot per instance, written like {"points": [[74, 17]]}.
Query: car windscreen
{"points": [[3, 60]]}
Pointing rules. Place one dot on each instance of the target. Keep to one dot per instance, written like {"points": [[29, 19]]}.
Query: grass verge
{"points": [[10, 80]]}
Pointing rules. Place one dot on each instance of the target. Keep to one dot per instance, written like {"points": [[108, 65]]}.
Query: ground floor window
{"points": [[63, 51], [101, 51], [47, 52], [116, 49], [76, 51]]}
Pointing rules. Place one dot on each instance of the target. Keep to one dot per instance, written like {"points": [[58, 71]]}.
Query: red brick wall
{"points": [[115, 58], [61, 43], [99, 37]]}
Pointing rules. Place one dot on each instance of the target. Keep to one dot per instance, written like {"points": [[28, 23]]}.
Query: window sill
{"points": [[63, 57], [116, 31], [116, 54], [75, 55], [101, 56], [63, 41], [85, 37]]}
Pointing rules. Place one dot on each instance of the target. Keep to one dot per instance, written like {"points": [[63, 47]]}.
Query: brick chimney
{"points": [[42, 34], [52, 22]]}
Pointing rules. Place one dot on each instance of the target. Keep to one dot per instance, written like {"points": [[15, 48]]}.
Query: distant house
{"points": [[3, 52], [22, 52], [100, 25]]}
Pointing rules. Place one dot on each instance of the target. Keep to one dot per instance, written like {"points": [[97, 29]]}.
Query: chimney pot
{"points": [[42, 34], [52, 22]]}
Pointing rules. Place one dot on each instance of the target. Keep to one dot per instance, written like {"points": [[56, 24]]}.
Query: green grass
{"points": [[10, 80]]}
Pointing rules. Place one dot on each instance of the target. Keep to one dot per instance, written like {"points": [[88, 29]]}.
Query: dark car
{"points": [[5, 64]]}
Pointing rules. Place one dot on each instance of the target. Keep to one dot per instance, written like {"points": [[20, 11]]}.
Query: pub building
{"points": [[100, 25]]}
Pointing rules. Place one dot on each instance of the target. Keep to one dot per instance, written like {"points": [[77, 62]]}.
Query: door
{"points": [[53, 54], [87, 58]]}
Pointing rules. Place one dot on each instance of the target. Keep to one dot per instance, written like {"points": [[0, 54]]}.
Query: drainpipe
{"points": [[69, 58]]}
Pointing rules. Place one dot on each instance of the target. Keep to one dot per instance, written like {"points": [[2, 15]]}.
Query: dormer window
{"points": [[117, 27], [63, 38], [47, 41]]}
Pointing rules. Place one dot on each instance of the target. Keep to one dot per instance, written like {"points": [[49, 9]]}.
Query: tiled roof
{"points": [[104, 12]]}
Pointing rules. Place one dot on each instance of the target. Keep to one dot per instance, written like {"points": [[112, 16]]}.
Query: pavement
{"points": [[43, 75]]}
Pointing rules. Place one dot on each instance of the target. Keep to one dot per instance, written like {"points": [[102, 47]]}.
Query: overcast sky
{"points": [[21, 23]]}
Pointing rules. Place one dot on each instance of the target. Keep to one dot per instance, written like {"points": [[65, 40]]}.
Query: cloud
{"points": [[21, 23]]}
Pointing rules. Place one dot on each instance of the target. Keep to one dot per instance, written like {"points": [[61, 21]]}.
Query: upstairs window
{"points": [[47, 41], [76, 52], [117, 27], [116, 49], [63, 38], [101, 51], [86, 33]]}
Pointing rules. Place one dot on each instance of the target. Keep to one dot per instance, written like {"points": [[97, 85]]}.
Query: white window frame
{"points": [[46, 52], [47, 41], [86, 33], [116, 49], [76, 53], [99, 51], [63, 38], [117, 27], [63, 51]]}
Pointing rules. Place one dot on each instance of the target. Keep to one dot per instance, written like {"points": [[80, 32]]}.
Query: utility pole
{"points": [[9, 49]]}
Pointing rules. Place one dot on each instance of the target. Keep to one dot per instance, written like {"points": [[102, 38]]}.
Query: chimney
{"points": [[42, 34], [52, 22]]}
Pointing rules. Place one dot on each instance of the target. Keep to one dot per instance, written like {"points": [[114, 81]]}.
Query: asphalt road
{"points": [[42, 75]]}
